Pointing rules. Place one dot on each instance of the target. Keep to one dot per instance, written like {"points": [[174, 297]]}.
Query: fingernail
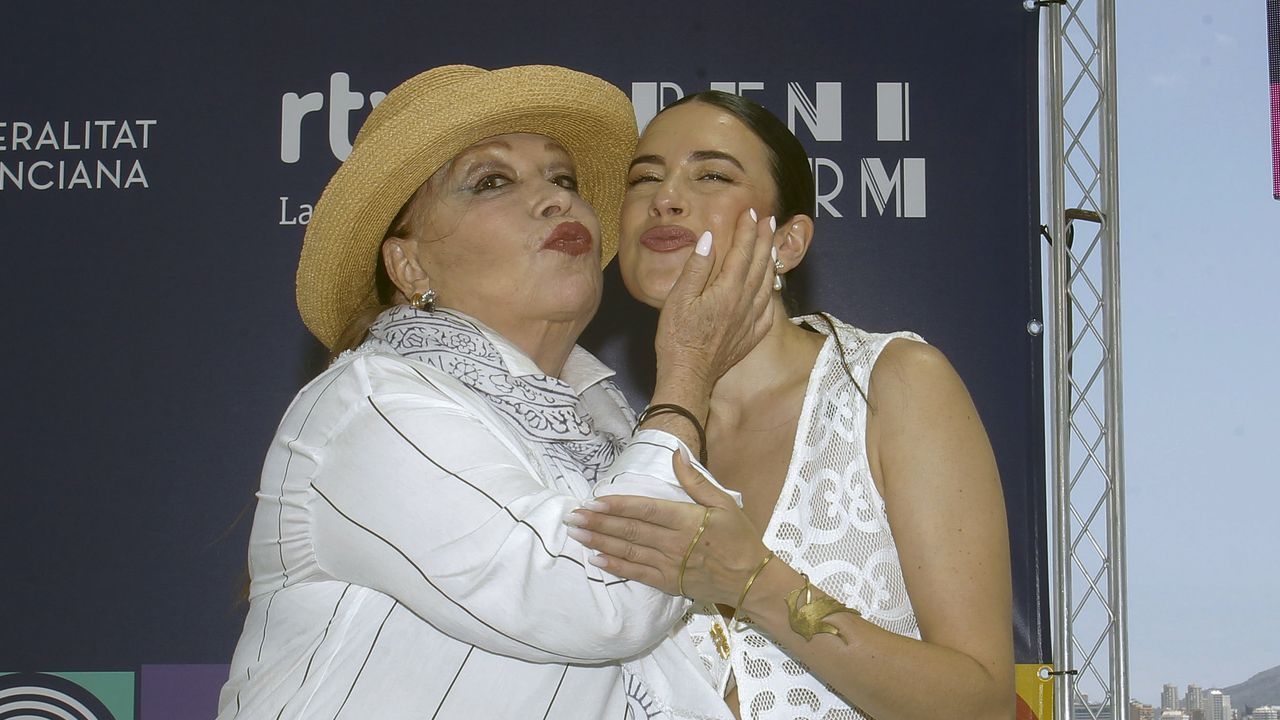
{"points": [[573, 519], [752, 211], [595, 506], [598, 561], [704, 243], [773, 252], [578, 534], [773, 224], [687, 455]]}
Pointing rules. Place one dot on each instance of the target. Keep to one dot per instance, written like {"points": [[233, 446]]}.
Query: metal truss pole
{"points": [[1089, 605]]}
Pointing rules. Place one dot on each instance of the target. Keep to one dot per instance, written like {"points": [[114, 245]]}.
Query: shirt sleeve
{"points": [[424, 499]]}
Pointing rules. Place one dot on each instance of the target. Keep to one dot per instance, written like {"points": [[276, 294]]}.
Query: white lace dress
{"points": [[829, 523]]}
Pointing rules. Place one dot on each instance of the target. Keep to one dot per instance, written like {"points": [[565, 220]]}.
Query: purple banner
{"points": [[1273, 36], [180, 691]]}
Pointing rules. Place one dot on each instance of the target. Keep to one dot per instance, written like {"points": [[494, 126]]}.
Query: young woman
{"points": [[866, 573]]}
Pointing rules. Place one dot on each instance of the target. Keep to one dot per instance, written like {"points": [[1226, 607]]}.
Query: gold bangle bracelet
{"points": [[806, 617], [684, 562], [750, 581]]}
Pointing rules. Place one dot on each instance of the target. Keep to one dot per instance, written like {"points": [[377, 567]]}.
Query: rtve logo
{"points": [[901, 189], [820, 113], [342, 102]]}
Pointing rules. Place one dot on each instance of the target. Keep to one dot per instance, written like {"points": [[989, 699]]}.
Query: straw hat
{"points": [[423, 124]]}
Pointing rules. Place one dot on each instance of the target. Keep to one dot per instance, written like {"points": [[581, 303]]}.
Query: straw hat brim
{"points": [[423, 124]]}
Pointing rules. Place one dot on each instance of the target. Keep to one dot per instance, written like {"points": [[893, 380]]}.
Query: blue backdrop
{"points": [[157, 167]]}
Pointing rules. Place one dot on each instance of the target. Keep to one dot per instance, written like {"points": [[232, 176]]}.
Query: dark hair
{"points": [[788, 161]]}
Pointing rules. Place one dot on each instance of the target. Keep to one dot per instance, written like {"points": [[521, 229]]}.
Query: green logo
{"points": [[73, 695]]}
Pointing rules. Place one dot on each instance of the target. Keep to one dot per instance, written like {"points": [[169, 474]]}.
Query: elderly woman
{"points": [[407, 555], [866, 573]]}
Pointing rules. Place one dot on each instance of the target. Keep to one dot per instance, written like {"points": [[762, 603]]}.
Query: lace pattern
{"points": [[830, 523]]}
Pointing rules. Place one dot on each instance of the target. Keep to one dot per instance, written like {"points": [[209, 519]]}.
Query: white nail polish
{"points": [[704, 243], [578, 534], [598, 561], [773, 253], [773, 224], [752, 212]]}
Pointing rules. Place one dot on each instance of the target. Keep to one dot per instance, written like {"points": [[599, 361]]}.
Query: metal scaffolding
{"points": [[1090, 652]]}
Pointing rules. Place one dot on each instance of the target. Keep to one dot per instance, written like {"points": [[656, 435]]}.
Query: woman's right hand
{"points": [[711, 321]]}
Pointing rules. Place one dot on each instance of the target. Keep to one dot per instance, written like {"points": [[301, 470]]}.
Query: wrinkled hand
{"points": [[708, 324], [645, 539]]}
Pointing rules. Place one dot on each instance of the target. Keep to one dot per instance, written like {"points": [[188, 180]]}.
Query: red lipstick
{"points": [[667, 238], [570, 238]]}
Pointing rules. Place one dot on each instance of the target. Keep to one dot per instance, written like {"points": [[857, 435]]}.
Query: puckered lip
{"points": [[667, 238], [570, 237]]}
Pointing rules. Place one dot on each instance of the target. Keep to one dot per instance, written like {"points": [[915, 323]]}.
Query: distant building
{"points": [[1266, 712], [1174, 715], [1217, 706], [1082, 709], [1141, 711], [1169, 698], [1091, 711], [1194, 699]]}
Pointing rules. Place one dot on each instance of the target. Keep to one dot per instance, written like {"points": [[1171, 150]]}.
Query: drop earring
{"points": [[424, 301], [778, 283]]}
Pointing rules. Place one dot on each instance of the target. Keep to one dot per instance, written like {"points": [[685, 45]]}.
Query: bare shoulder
{"points": [[911, 356], [912, 377], [924, 430]]}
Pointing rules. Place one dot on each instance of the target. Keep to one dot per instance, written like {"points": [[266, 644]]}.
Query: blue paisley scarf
{"points": [[543, 409]]}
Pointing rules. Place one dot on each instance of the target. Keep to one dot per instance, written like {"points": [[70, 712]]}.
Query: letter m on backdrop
{"points": [[905, 188]]}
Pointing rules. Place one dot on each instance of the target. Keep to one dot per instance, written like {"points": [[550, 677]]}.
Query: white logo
{"points": [[893, 112], [342, 102], [905, 187], [36, 167], [824, 198], [821, 113], [888, 187], [294, 109]]}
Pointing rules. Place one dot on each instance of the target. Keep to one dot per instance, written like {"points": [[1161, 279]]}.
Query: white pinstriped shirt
{"points": [[409, 560]]}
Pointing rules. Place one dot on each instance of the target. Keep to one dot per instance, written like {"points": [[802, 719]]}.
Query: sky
{"points": [[1200, 255]]}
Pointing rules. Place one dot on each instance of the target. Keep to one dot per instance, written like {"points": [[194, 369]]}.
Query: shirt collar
{"points": [[581, 369]]}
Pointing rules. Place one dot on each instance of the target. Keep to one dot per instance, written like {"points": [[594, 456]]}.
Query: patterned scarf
{"points": [[543, 409]]}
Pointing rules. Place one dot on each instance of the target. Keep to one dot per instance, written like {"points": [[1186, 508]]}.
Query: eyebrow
{"points": [[478, 155], [565, 156], [696, 155], [490, 143]]}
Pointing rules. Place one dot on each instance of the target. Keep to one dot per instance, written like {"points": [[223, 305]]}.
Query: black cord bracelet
{"points": [[673, 409]]}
